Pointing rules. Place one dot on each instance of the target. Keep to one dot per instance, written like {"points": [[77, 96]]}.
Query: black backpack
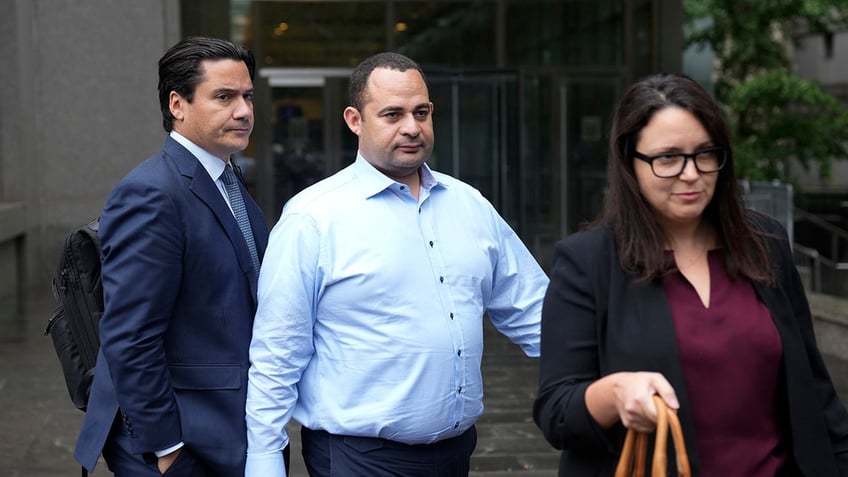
{"points": [[74, 326]]}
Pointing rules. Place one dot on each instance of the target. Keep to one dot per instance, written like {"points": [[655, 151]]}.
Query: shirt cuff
{"points": [[167, 451], [265, 465]]}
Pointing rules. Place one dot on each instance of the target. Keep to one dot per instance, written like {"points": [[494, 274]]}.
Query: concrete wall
{"points": [[78, 109], [830, 319], [812, 60]]}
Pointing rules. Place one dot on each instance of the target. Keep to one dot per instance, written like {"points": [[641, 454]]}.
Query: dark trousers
{"points": [[330, 455]]}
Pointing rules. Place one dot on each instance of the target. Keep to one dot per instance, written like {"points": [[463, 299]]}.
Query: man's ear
{"points": [[175, 104], [353, 119]]}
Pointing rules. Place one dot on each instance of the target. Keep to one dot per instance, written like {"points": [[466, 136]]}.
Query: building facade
{"points": [[523, 91], [824, 59]]}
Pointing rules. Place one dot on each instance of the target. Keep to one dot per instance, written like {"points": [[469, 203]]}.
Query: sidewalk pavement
{"points": [[38, 423]]}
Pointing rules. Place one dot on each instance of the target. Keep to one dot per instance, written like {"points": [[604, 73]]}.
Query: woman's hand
{"points": [[628, 397]]}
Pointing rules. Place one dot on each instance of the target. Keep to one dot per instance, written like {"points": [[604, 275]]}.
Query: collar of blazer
{"points": [[202, 186]]}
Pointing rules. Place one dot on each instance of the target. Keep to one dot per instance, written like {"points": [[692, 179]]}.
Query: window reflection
{"points": [[564, 32], [456, 33], [297, 143], [312, 33]]}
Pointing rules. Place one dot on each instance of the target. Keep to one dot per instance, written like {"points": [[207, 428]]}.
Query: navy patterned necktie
{"points": [[240, 212]]}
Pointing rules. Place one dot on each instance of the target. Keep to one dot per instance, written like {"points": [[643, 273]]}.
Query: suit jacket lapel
{"points": [[201, 185]]}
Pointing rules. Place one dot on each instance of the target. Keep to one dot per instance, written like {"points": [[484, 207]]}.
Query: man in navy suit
{"points": [[179, 281]]}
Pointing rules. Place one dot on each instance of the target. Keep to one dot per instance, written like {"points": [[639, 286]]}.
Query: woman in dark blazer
{"points": [[679, 291]]}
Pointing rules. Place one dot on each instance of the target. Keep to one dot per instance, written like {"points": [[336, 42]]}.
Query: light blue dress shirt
{"points": [[370, 311]]}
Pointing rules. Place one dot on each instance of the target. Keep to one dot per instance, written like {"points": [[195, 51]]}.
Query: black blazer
{"points": [[597, 321]]}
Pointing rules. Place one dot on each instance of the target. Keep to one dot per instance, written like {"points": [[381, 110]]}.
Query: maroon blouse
{"points": [[731, 355]]}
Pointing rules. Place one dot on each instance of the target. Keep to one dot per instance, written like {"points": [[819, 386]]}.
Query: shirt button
{"points": [[402, 188], [431, 244], [441, 279], [451, 315], [455, 425], [459, 352], [459, 389]]}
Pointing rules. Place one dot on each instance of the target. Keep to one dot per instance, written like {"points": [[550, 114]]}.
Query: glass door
{"points": [[533, 144], [477, 138], [586, 104], [565, 122], [298, 136], [297, 146]]}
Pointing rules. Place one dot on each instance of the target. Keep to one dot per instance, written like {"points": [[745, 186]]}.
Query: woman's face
{"points": [[678, 201]]}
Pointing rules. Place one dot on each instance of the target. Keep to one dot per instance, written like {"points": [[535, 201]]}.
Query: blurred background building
{"points": [[824, 58], [523, 92], [821, 215]]}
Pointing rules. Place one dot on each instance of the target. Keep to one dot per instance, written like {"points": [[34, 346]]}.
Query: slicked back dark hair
{"points": [[359, 76], [180, 68], [640, 239]]}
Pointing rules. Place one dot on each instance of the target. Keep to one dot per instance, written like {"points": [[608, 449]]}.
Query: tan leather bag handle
{"points": [[633, 455]]}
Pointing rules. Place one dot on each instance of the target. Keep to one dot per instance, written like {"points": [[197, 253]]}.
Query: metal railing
{"points": [[811, 260], [772, 199], [823, 273]]}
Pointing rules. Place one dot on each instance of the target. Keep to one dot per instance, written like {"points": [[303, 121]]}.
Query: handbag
{"points": [[633, 455]]}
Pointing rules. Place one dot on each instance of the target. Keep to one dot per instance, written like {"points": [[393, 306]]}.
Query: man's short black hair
{"points": [[180, 68]]}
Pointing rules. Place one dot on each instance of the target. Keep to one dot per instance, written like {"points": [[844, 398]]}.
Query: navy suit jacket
{"points": [[180, 295], [597, 321]]}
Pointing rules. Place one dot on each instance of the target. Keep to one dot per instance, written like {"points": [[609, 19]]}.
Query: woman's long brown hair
{"points": [[639, 237]]}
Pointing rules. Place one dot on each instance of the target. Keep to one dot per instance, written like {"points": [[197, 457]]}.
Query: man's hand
{"points": [[165, 461]]}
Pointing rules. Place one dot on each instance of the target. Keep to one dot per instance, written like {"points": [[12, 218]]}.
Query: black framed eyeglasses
{"points": [[671, 164]]}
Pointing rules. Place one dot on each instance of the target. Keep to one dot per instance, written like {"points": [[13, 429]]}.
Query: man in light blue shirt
{"points": [[369, 326]]}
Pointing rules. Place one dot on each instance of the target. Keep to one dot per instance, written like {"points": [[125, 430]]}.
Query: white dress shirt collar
{"points": [[213, 165]]}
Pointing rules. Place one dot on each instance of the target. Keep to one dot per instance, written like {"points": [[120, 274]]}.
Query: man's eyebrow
{"points": [[394, 109], [231, 91], [390, 109]]}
